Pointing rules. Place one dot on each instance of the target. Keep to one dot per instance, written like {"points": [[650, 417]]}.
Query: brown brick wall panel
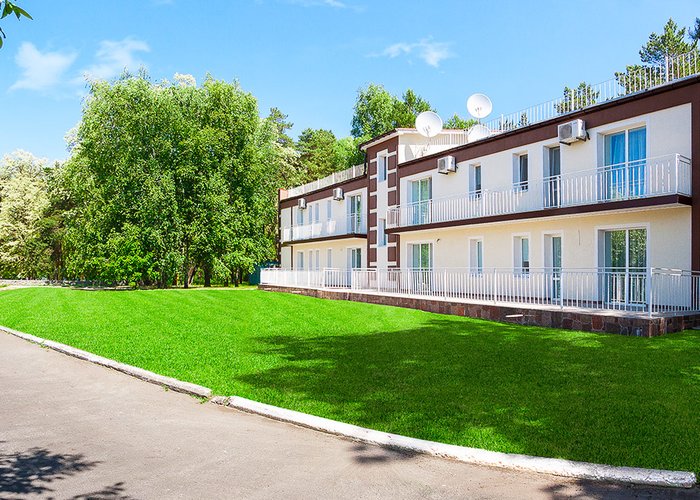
{"points": [[372, 220], [372, 237], [372, 201], [373, 185], [372, 255], [391, 254], [391, 179], [640, 326], [391, 199], [392, 238], [372, 167]]}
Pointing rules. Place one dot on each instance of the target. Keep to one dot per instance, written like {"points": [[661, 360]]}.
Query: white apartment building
{"points": [[590, 211]]}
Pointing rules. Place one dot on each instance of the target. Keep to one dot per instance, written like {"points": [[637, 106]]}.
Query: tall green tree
{"points": [[457, 122], [577, 98], [168, 180], [23, 203], [376, 111], [673, 42]]}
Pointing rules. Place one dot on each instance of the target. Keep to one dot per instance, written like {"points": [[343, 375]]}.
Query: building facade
{"points": [[606, 223]]}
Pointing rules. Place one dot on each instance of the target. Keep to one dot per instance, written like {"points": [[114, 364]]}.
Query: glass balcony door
{"points": [[421, 199], [624, 172], [625, 262]]}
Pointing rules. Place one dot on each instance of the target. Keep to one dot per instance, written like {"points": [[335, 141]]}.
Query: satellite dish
{"points": [[429, 124], [479, 106], [478, 132]]}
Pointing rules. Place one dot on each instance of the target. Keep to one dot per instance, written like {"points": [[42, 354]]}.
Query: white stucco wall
{"points": [[667, 133], [668, 239]]}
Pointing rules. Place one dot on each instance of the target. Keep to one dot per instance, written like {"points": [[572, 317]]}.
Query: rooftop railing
{"points": [[335, 178], [638, 80], [647, 178]]}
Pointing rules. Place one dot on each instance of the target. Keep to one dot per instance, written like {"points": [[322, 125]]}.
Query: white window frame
{"points": [[518, 183], [329, 258], [300, 260], [382, 166], [473, 191], [474, 266], [381, 233], [518, 268]]}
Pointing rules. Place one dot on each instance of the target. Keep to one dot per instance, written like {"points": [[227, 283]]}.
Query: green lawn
{"points": [[600, 398]]}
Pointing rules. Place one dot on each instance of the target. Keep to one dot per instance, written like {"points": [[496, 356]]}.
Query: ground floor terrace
{"points": [[637, 301]]}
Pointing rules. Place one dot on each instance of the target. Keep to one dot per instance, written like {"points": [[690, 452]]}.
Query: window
{"points": [[381, 168], [475, 180], [329, 210], [422, 256], [329, 257], [522, 254], [520, 172], [355, 257], [354, 214], [625, 164], [300, 261], [318, 260], [310, 262], [552, 174], [625, 260], [421, 196], [300, 217], [381, 234], [476, 256]]}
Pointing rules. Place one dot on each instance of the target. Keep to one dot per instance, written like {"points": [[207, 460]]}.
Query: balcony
{"points": [[634, 180], [352, 225], [330, 180]]}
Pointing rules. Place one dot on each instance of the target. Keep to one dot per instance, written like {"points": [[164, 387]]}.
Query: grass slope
{"points": [[582, 396]]}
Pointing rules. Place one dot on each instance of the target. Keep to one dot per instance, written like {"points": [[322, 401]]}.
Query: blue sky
{"points": [[309, 57]]}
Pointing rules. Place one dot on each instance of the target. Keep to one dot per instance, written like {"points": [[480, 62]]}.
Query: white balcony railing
{"points": [[334, 178], [651, 177], [352, 224], [652, 291]]}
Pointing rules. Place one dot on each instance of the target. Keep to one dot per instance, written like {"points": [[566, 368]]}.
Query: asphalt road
{"points": [[73, 430]]}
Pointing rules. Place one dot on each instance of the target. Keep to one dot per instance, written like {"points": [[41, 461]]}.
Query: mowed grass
{"points": [[599, 398]]}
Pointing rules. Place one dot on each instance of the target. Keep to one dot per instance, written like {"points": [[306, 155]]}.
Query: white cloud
{"points": [[41, 70], [432, 53], [114, 57]]}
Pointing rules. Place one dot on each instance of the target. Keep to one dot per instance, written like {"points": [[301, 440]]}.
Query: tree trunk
{"points": [[207, 276]]}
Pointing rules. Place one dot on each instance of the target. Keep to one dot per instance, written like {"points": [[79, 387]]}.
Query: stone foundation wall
{"points": [[554, 318]]}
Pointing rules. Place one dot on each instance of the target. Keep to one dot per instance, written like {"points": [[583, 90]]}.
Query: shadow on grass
{"points": [[597, 398]]}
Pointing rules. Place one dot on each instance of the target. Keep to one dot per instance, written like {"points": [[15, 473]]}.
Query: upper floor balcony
{"points": [[353, 225], [632, 180], [330, 180]]}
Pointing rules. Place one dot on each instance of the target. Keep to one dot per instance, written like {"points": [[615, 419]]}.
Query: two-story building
{"points": [[581, 218]]}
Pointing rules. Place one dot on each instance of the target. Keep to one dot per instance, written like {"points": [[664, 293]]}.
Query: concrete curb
{"points": [[154, 378], [475, 456]]}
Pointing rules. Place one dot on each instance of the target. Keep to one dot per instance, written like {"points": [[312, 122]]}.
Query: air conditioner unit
{"points": [[302, 204], [571, 132], [446, 164], [338, 194]]}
